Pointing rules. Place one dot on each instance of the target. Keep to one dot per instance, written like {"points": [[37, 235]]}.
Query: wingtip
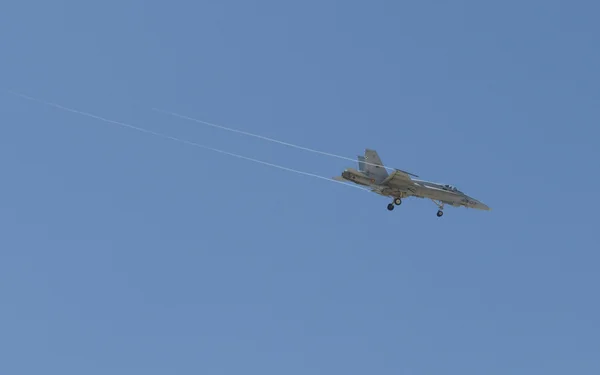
{"points": [[408, 173]]}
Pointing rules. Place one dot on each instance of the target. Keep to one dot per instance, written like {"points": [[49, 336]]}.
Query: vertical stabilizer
{"points": [[374, 168], [361, 163]]}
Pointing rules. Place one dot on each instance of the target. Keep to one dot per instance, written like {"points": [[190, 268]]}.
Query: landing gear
{"points": [[397, 202], [440, 205]]}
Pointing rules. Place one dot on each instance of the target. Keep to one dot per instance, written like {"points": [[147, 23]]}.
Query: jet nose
{"points": [[474, 203], [482, 206]]}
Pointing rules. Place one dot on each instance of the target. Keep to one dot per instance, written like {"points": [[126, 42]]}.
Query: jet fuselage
{"points": [[416, 188]]}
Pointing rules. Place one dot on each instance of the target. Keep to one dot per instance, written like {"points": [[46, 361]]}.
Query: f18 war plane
{"points": [[399, 184]]}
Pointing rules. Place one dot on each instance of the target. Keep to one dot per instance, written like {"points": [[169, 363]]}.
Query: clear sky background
{"points": [[123, 253]]}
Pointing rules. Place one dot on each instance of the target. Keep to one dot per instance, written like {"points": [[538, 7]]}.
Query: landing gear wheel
{"points": [[440, 207], [390, 206], [397, 201]]}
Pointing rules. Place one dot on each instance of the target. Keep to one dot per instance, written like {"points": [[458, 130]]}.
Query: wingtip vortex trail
{"points": [[165, 136], [260, 136]]}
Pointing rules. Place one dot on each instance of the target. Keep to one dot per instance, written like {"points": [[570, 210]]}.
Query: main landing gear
{"points": [[397, 202], [440, 205]]}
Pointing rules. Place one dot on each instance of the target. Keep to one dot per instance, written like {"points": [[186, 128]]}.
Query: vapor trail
{"points": [[262, 137], [58, 106]]}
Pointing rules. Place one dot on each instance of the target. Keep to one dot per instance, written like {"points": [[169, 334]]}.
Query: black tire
{"points": [[390, 206], [440, 213], [397, 201]]}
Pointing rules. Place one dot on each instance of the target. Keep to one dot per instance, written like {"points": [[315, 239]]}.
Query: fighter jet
{"points": [[399, 185]]}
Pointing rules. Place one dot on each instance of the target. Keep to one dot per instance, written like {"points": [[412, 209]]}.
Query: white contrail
{"points": [[265, 138], [58, 106]]}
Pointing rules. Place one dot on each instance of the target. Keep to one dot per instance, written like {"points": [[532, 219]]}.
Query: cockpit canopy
{"points": [[451, 188]]}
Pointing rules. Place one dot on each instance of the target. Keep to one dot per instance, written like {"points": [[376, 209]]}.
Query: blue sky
{"points": [[122, 252]]}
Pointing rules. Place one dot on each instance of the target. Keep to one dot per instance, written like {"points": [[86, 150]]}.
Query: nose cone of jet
{"points": [[481, 206], [474, 203]]}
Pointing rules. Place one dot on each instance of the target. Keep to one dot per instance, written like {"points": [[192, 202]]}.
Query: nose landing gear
{"points": [[440, 205]]}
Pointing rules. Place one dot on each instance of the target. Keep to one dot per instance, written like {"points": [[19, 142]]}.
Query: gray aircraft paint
{"points": [[399, 185]]}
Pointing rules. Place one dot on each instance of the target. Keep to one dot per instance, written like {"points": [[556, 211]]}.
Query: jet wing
{"points": [[397, 177]]}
